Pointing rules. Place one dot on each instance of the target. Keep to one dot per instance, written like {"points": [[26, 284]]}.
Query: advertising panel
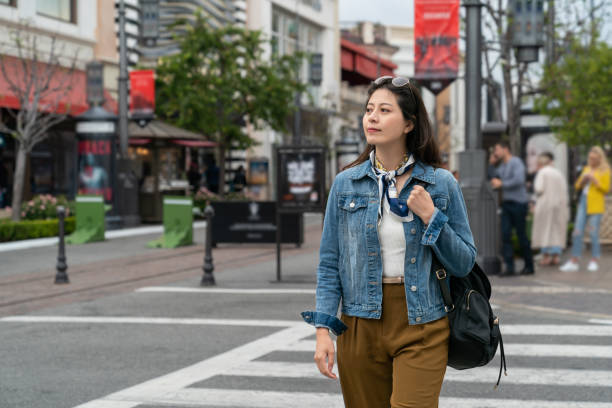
{"points": [[436, 36], [95, 159], [300, 178]]}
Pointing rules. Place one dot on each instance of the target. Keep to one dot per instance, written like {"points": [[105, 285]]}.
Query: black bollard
{"points": [[61, 276], [208, 279]]}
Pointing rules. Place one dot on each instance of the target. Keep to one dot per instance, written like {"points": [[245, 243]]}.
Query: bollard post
{"points": [[61, 276], [208, 279]]}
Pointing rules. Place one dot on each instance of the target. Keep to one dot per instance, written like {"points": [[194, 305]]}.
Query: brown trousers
{"points": [[387, 362]]}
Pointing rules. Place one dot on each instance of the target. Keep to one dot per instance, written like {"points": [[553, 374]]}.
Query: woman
{"points": [[594, 181], [551, 213], [387, 213]]}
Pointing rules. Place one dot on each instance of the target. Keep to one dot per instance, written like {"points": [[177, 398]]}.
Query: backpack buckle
{"points": [[441, 274]]}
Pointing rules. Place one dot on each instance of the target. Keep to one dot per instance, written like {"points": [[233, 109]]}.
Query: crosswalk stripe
{"points": [[515, 403], [234, 291], [556, 330], [207, 397], [150, 320], [512, 349], [541, 376]]}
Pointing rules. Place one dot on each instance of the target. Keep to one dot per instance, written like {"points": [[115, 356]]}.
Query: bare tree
{"points": [[41, 84], [567, 19]]}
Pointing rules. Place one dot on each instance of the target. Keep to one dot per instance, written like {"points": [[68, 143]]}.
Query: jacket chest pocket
{"points": [[353, 211], [441, 203]]}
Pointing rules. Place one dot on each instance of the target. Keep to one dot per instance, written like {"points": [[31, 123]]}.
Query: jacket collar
{"points": [[421, 171]]}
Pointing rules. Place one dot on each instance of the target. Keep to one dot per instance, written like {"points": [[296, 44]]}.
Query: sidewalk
{"points": [[125, 264]]}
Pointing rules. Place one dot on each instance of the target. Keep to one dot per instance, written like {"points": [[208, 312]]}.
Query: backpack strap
{"points": [[440, 272]]}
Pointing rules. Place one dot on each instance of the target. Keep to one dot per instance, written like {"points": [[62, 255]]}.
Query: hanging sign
{"points": [[436, 36], [142, 96]]}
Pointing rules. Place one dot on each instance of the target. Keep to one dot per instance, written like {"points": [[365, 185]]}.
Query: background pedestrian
{"points": [[594, 183], [551, 212], [510, 178]]}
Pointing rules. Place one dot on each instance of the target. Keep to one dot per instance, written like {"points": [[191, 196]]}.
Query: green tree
{"points": [[577, 94], [221, 80]]}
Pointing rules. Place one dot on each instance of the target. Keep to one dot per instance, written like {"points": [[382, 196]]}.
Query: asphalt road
{"points": [[244, 345]]}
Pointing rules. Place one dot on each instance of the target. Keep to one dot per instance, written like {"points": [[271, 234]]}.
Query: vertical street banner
{"points": [[436, 38], [142, 94]]}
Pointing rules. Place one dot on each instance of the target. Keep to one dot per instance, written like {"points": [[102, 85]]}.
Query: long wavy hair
{"points": [[420, 141], [604, 165]]}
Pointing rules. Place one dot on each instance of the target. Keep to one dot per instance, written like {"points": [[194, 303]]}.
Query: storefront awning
{"points": [[162, 131], [360, 66], [195, 143], [73, 102]]}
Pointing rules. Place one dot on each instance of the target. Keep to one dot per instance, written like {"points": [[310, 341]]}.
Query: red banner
{"points": [[436, 37], [142, 92]]}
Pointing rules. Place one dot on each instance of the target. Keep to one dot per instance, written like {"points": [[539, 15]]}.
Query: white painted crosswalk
{"points": [[188, 386]]}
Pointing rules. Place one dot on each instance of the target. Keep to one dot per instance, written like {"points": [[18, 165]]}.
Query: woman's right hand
{"points": [[324, 353]]}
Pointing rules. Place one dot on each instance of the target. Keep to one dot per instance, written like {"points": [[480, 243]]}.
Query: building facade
{"points": [[309, 26]]}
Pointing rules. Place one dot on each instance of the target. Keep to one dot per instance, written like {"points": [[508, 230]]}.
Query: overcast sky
{"points": [[387, 12]]}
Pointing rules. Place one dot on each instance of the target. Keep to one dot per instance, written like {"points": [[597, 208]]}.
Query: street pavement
{"points": [[135, 329]]}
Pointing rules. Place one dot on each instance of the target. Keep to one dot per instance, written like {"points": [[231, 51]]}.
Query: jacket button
{"points": [[418, 319], [413, 231], [352, 204], [413, 260], [413, 288]]}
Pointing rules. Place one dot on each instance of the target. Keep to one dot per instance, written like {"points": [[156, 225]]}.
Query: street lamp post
{"points": [[479, 197]]}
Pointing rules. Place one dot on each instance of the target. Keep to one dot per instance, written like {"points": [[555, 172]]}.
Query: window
{"points": [[287, 32], [61, 9]]}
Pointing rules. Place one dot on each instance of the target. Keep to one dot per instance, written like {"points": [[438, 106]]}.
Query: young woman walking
{"points": [[594, 181], [387, 213]]}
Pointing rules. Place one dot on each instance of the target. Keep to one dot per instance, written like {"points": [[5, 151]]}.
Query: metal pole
{"points": [[278, 243], [123, 83], [473, 76], [297, 117], [479, 197], [61, 276], [208, 279]]}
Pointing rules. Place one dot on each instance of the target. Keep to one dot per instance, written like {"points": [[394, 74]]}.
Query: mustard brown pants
{"points": [[387, 362]]}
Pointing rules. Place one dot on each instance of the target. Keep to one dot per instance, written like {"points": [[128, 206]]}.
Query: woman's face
{"points": [[594, 159], [383, 122]]}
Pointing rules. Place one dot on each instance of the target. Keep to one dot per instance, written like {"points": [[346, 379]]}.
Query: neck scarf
{"points": [[386, 184]]}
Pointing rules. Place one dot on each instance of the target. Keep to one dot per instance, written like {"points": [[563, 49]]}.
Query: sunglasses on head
{"points": [[397, 81]]}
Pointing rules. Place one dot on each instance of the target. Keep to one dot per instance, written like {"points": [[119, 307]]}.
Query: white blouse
{"points": [[392, 242]]}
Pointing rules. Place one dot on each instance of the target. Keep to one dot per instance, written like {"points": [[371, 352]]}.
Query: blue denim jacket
{"points": [[350, 264]]}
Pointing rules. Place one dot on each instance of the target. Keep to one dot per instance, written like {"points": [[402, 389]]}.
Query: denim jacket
{"points": [[350, 263]]}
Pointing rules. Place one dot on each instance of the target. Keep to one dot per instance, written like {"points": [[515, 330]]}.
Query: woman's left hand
{"points": [[420, 203]]}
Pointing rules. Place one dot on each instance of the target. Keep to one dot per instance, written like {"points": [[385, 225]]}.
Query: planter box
{"points": [[254, 222]]}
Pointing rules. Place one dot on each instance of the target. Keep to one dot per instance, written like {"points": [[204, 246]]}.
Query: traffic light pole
{"points": [[479, 197]]}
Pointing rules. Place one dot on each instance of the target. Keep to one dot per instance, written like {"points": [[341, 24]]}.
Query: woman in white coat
{"points": [[551, 213]]}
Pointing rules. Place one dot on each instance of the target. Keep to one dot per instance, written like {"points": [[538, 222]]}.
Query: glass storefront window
{"points": [[60, 9]]}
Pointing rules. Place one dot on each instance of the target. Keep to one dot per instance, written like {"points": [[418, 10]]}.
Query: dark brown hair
{"points": [[420, 141]]}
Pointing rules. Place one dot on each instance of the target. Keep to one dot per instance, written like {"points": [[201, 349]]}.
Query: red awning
{"points": [[360, 66], [195, 143], [73, 102]]}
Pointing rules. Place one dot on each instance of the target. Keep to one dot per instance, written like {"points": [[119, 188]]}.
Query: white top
{"points": [[392, 242]]}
